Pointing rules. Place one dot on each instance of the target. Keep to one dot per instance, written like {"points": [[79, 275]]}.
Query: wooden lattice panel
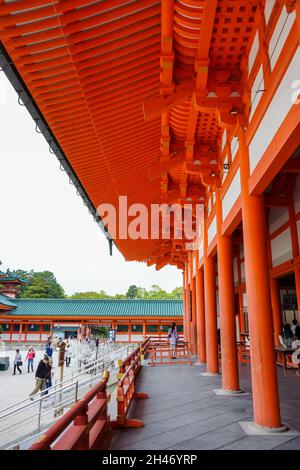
{"points": [[233, 32]]}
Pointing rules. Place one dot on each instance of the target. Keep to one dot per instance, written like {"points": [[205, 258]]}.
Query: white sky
{"points": [[44, 224]]}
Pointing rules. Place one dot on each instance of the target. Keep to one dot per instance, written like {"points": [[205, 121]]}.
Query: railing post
{"points": [[82, 420], [39, 417]]}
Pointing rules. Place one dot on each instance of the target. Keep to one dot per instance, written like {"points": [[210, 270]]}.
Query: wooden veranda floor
{"points": [[183, 412]]}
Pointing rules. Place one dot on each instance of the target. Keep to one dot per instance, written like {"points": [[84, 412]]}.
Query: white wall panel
{"points": [[231, 195], [35, 337], [281, 248], [201, 251], [253, 52], [224, 138], [278, 216], [256, 92], [234, 147], [277, 111], [212, 231], [137, 337], [268, 9], [279, 37], [121, 337]]}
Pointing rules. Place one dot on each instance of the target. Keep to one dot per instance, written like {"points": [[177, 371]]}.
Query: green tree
{"points": [[176, 293], [90, 295], [132, 292], [42, 285]]}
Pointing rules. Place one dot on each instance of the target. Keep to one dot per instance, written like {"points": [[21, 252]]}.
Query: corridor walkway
{"points": [[183, 413]]}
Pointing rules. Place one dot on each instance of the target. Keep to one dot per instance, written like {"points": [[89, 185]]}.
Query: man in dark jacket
{"points": [[40, 376]]}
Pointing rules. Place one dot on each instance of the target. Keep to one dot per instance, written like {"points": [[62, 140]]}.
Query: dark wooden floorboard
{"points": [[183, 413]]}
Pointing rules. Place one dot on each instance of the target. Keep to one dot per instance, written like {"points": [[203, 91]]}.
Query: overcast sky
{"points": [[44, 224]]}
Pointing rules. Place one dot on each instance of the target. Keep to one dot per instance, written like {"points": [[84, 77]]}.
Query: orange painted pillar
{"points": [[230, 372], [187, 312], [263, 368], [212, 356], [194, 319], [184, 306], [276, 309], [193, 307], [200, 314]]}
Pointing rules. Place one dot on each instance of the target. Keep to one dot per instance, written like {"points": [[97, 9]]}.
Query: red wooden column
{"points": [[212, 359], [263, 368], [230, 372], [184, 307], [188, 314], [200, 314], [193, 307], [20, 332], [276, 309]]}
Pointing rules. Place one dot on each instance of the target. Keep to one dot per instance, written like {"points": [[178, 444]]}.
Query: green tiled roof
{"points": [[10, 277], [97, 308], [4, 300]]}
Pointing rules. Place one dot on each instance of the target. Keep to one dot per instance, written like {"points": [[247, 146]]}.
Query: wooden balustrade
{"points": [[86, 426]]}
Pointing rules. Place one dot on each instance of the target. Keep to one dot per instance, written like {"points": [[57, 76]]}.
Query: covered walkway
{"points": [[183, 413]]}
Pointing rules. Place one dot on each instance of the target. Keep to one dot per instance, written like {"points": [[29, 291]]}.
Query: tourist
{"points": [[287, 335], [173, 338], [294, 325], [68, 354], [49, 374], [49, 350], [30, 356], [40, 376], [17, 362]]}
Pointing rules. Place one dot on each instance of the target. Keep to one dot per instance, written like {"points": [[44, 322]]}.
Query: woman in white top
{"points": [[173, 338]]}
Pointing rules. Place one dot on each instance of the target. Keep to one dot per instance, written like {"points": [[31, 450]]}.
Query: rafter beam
{"points": [[160, 168], [155, 106]]}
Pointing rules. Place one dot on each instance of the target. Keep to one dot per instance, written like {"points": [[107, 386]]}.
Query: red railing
{"points": [[86, 426], [129, 371], [161, 353]]}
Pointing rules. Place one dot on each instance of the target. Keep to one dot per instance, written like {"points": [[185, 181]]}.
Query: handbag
{"points": [[20, 363]]}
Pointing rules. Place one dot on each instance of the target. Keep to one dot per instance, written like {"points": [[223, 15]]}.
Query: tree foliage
{"points": [[44, 285], [40, 285]]}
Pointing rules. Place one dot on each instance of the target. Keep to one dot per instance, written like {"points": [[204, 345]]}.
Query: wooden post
{"points": [[212, 357], [263, 367]]}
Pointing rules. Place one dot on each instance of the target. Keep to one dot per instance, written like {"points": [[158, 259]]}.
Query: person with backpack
{"points": [[40, 376], [17, 362], [30, 356], [173, 339]]}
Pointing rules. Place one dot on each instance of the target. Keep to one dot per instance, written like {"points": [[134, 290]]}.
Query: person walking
{"points": [[48, 383], [40, 376], [30, 357], [173, 339], [17, 362], [68, 354], [49, 351]]}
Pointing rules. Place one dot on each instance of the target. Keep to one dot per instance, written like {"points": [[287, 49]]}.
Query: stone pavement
{"points": [[183, 413]]}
